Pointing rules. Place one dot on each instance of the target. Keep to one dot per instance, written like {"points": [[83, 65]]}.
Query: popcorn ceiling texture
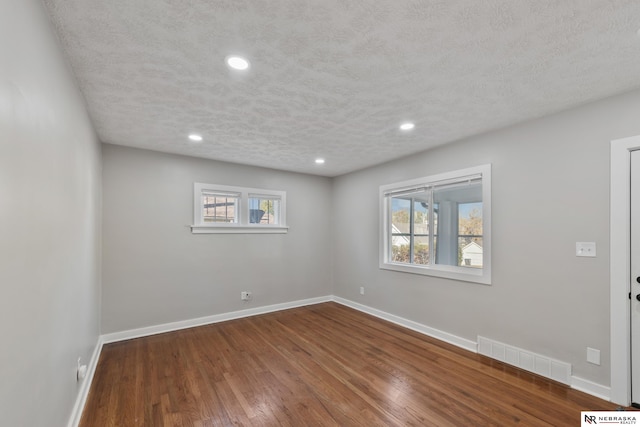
{"points": [[335, 78]]}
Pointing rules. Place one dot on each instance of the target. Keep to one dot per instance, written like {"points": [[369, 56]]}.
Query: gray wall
{"points": [[155, 271], [49, 223], [550, 190]]}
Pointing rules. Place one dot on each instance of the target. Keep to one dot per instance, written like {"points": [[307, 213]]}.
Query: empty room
{"points": [[319, 212]]}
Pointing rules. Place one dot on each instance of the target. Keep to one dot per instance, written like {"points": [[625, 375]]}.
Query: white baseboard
{"points": [[589, 387], [207, 320], [81, 399], [410, 324]]}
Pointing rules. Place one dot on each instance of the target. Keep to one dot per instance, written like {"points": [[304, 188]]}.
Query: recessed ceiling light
{"points": [[407, 126], [237, 63], [195, 137], [319, 161]]}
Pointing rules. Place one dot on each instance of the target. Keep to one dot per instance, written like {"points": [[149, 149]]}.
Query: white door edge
{"points": [[620, 267]]}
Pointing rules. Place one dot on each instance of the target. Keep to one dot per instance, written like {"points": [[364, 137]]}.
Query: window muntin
{"points": [[228, 209], [439, 225]]}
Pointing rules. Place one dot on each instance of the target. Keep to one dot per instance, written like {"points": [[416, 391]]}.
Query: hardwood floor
{"points": [[321, 365]]}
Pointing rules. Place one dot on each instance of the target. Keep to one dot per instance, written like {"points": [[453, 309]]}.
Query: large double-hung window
{"points": [[439, 225]]}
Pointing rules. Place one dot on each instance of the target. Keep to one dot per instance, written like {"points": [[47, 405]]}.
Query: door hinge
{"points": [[629, 295]]}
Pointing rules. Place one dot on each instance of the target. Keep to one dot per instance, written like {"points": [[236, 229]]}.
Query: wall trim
{"points": [[81, 399], [620, 267], [589, 387], [410, 324], [207, 320]]}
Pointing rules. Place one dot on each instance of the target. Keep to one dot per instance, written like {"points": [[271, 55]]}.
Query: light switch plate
{"points": [[587, 249]]}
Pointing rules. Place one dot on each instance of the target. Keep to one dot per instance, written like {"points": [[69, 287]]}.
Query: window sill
{"points": [[447, 272], [238, 229]]}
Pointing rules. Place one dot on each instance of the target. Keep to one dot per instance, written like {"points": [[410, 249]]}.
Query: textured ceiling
{"points": [[335, 78]]}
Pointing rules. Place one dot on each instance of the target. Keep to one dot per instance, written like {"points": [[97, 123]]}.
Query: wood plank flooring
{"points": [[321, 365]]}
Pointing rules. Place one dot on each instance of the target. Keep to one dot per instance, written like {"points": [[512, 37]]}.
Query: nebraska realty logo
{"points": [[593, 418]]}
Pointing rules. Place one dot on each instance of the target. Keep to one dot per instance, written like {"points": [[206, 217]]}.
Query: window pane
{"points": [[400, 249], [435, 246], [436, 210], [421, 229], [420, 217], [470, 234], [459, 222], [264, 210], [400, 230], [470, 253], [219, 208], [421, 250]]}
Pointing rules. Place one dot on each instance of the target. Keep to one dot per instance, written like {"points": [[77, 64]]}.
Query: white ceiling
{"points": [[335, 78]]}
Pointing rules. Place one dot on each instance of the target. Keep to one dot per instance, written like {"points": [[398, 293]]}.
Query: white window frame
{"points": [[242, 225], [476, 275]]}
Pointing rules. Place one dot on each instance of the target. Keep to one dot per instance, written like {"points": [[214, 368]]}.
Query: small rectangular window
{"points": [[439, 225], [228, 209]]}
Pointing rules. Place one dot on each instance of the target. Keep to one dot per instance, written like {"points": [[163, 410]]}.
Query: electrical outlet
{"points": [[361, 290], [593, 355], [586, 249], [245, 295], [81, 371]]}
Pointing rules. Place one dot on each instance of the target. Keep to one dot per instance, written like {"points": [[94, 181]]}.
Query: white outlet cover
{"points": [[586, 249], [593, 356]]}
